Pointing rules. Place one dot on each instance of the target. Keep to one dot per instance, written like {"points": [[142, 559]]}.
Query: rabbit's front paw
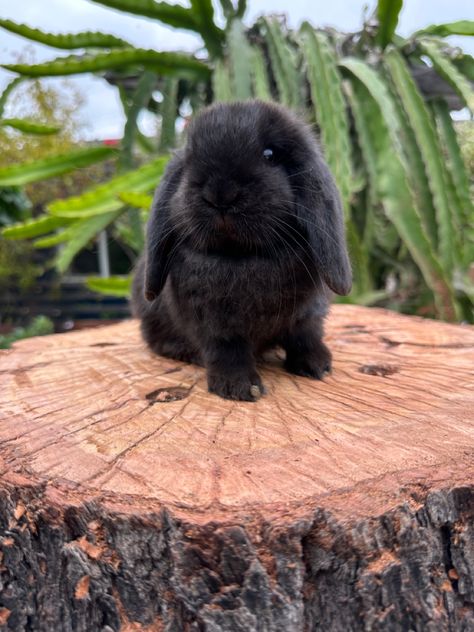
{"points": [[315, 363], [243, 386]]}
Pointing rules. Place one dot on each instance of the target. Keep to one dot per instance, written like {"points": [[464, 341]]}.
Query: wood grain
{"points": [[96, 427]]}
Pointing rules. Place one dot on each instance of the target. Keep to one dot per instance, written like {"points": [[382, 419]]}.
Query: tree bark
{"points": [[131, 499]]}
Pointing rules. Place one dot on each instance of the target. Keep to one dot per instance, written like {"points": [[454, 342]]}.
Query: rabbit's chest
{"points": [[252, 297]]}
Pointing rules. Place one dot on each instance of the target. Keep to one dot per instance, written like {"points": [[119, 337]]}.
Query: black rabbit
{"points": [[245, 237]]}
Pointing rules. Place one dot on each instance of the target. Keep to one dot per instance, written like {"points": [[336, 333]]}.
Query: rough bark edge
{"points": [[87, 567]]}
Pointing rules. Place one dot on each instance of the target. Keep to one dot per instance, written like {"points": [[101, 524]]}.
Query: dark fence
{"points": [[68, 303]]}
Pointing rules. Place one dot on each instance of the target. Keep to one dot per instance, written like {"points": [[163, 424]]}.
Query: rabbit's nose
{"points": [[221, 196]]}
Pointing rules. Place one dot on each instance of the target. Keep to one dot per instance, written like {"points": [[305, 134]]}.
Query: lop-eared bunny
{"points": [[244, 242]]}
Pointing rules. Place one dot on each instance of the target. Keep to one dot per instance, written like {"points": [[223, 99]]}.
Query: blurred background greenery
{"points": [[380, 103]]}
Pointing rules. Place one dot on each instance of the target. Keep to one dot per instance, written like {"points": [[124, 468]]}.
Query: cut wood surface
{"points": [[132, 499]]}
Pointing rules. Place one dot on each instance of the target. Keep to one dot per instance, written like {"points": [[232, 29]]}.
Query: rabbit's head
{"points": [[250, 181]]}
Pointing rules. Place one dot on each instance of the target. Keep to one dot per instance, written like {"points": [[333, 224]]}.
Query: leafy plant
{"points": [[14, 205], [39, 108], [40, 326], [380, 103]]}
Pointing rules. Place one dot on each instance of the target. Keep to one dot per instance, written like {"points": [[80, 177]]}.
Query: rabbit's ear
{"points": [[319, 209], [160, 238]]}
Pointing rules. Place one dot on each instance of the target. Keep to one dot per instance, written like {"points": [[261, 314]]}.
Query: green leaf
{"points": [[221, 83], [79, 234], [405, 138], [455, 159], [233, 12], [241, 8], [448, 71], [29, 127], [387, 16], [378, 133], [172, 14], [139, 100], [14, 207], [404, 141], [227, 8], [161, 63], [52, 240], [168, 111], [125, 230], [458, 173], [137, 200], [284, 65], [137, 232], [261, 84], [462, 27], [368, 298], [53, 166], [213, 37], [430, 149], [240, 59], [111, 286], [34, 227], [330, 108], [360, 261], [69, 41], [7, 91], [104, 198], [146, 143], [465, 64]]}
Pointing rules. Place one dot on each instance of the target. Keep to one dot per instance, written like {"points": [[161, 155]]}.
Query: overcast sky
{"points": [[102, 110]]}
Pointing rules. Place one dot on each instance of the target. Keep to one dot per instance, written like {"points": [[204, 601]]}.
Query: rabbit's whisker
{"points": [[293, 250]]}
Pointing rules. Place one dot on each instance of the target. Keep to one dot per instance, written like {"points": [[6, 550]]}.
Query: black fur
{"points": [[242, 248]]}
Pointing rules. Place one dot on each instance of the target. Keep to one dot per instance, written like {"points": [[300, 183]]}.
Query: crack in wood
{"points": [[448, 345], [24, 369], [426, 396], [122, 454], [46, 424], [331, 393], [285, 423], [222, 422], [167, 394], [381, 370], [99, 411]]}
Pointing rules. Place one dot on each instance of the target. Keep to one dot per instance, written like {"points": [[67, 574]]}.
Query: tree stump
{"points": [[131, 499]]}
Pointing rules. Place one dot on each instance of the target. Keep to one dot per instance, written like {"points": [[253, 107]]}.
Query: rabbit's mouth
{"points": [[225, 236], [224, 224]]}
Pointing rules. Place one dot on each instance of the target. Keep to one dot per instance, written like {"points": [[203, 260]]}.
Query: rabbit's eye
{"points": [[268, 154]]}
